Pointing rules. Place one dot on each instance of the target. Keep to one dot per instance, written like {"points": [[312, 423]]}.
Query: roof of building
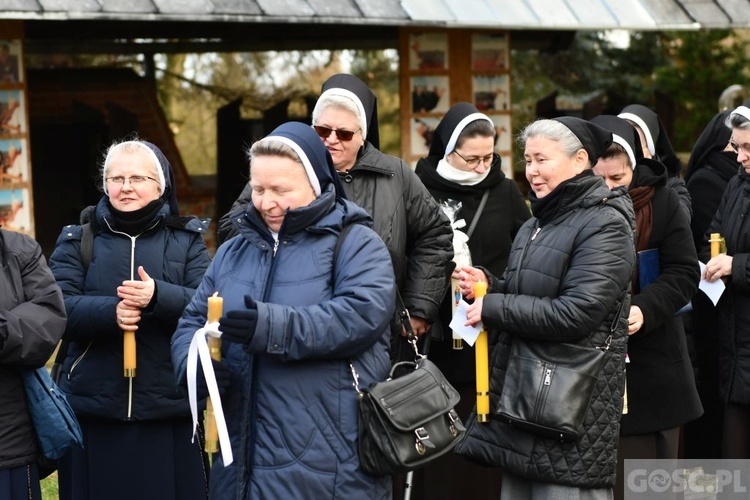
{"points": [[496, 14]]}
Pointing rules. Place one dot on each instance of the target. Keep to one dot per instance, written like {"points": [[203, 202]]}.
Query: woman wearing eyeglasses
{"points": [[145, 265], [462, 168], [733, 309]]}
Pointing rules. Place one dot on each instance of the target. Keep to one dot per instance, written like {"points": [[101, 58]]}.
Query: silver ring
{"points": [[122, 321]]}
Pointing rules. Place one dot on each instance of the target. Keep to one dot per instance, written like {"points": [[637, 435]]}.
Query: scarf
{"points": [[135, 222], [644, 218], [462, 177]]}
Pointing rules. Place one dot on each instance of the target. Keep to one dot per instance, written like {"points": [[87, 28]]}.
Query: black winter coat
{"points": [[503, 215], [406, 217], [660, 381], [32, 320], [733, 309], [567, 280]]}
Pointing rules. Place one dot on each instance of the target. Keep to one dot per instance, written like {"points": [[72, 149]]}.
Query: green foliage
{"points": [[688, 70], [702, 64]]}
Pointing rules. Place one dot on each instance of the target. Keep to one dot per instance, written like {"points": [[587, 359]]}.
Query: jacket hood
{"points": [[649, 173]]}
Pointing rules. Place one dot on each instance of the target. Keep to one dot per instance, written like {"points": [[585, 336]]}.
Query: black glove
{"points": [[239, 325], [223, 379]]}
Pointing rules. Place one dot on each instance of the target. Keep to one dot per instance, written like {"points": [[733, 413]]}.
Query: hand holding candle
{"points": [[481, 353], [215, 308]]}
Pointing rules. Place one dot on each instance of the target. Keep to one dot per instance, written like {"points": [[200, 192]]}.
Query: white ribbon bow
{"points": [[199, 347]]}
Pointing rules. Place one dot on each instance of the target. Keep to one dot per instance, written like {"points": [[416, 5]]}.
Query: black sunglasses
{"points": [[343, 135]]}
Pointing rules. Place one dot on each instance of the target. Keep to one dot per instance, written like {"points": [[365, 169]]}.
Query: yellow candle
{"points": [[481, 353], [715, 244], [215, 307], [215, 310], [128, 354]]}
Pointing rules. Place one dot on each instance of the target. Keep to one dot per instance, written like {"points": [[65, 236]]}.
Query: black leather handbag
{"points": [[548, 387], [407, 421]]}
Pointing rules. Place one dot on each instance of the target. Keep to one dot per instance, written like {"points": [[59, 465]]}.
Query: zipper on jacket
{"points": [[132, 277], [547, 376], [523, 254], [79, 359]]}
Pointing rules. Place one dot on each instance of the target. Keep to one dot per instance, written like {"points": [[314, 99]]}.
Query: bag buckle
{"points": [[456, 424], [423, 440]]}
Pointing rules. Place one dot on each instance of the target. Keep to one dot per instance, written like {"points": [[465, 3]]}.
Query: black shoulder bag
{"points": [[407, 420]]}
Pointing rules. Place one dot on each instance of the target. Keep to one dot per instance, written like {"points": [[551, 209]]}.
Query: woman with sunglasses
{"points": [[463, 171], [733, 309], [417, 233], [145, 264]]}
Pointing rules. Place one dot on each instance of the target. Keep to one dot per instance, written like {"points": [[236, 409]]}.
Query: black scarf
{"points": [[135, 222]]}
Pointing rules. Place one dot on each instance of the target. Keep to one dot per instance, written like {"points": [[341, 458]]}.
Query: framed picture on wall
{"points": [[15, 210], [12, 112], [422, 130], [11, 60], [430, 94], [489, 52], [503, 131], [491, 93], [428, 51], [14, 163]]}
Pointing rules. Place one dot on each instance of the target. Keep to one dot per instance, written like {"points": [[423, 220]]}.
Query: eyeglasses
{"points": [[739, 147], [474, 162], [133, 179], [343, 135]]}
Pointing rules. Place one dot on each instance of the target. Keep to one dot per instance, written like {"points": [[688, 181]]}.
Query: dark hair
{"points": [[613, 151], [477, 128]]}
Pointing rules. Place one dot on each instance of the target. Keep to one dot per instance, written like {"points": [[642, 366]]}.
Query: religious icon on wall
{"points": [[15, 213], [14, 168], [422, 130], [491, 93], [12, 112], [428, 51], [489, 52], [430, 94], [10, 62]]}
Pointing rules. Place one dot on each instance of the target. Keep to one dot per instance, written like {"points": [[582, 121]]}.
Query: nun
{"points": [[661, 390], [417, 233], [300, 305], [145, 263], [567, 280], [462, 172], [656, 145]]}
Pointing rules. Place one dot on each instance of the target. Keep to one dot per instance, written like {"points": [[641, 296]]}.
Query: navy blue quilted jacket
{"points": [[173, 253], [291, 407]]}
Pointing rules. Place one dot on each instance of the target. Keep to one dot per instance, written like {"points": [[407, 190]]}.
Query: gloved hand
{"points": [[223, 379], [239, 325]]}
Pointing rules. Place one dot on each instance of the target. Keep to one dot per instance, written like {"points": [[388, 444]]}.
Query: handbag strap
{"points": [[475, 219]]}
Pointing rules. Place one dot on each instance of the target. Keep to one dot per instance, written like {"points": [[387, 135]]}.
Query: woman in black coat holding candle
{"points": [[661, 393], [463, 167]]}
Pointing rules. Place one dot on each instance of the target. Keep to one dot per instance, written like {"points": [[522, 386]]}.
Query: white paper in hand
{"points": [[468, 333]]}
